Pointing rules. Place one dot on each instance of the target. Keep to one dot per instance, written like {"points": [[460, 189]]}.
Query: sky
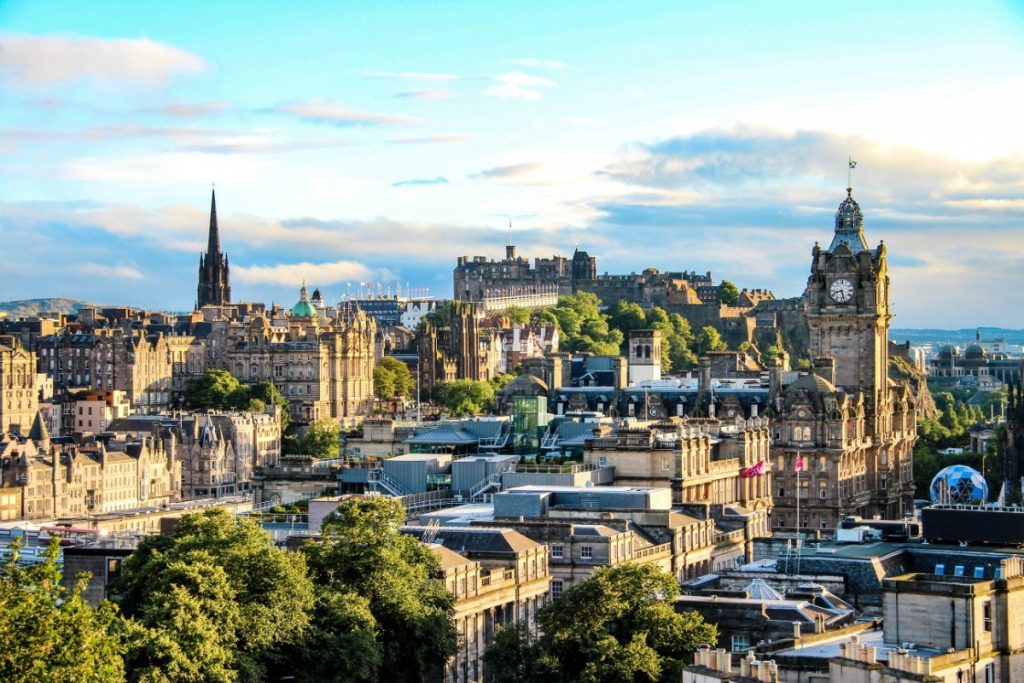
{"points": [[376, 142]]}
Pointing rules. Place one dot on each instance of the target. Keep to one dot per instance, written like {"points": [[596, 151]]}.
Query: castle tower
{"points": [[214, 287], [644, 356]]}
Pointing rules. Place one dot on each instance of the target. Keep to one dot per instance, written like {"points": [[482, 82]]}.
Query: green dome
{"points": [[303, 309]]}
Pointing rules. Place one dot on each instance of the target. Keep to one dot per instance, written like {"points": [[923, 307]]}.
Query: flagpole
{"points": [[799, 545]]}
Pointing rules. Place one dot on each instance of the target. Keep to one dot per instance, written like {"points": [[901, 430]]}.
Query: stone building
{"points": [[498, 578], [851, 427], [941, 627], [137, 364], [68, 357], [460, 348], [586, 528], [218, 453], [474, 279], [719, 471], [94, 410], [53, 479], [19, 395], [214, 287], [323, 367]]}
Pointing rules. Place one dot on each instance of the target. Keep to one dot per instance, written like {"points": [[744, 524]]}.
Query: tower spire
{"points": [[213, 247]]}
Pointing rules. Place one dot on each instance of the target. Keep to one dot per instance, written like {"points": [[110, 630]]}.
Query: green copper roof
{"points": [[303, 309]]}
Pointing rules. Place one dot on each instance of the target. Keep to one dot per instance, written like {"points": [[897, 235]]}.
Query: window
{"points": [[113, 568], [586, 552], [557, 551], [986, 615], [664, 464], [740, 643], [782, 493], [556, 588]]}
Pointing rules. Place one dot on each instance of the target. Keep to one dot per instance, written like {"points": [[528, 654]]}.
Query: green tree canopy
{"points": [[583, 327], [619, 625], [464, 396], [517, 315], [52, 635], [709, 340], [322, 439], [361, 552], [214, 390], [216, 601], [392, 379], [728, 293], [770, 354]]}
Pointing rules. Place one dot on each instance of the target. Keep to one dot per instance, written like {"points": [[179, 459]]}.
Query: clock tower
{"points": [[846, 305]]}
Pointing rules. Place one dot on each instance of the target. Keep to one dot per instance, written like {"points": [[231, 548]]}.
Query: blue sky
{"points": [[377, 141]]}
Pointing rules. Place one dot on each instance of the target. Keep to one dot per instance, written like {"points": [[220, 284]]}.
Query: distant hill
{"points": [[33, 307], [961, 336]]}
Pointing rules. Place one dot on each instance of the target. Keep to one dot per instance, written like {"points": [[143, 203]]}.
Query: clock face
{"points": [[841, 290]]}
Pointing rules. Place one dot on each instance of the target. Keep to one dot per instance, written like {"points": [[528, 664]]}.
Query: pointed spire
{"points": [[213, 247], [39, 432]]}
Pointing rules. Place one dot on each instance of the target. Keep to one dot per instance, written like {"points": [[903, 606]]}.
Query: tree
{"points": [[383, 383], [618, 625], [728, 294], [680, 339], [341, 645], [709, 340], [626, 317], [392, 379], [212, 391], [322, 440], [517, 315], [50, 634], [770, 354], [464, 396], [440, 316], [215, 601], [362, 551], [269, 395], [583, 327]]}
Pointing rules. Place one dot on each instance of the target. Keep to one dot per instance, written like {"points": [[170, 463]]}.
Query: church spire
{"points": [[214, 285], [213, 247]]}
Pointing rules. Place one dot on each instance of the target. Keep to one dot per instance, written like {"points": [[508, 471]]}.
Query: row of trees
{"points": [[218, 602], [219, 390], [463, 397], [680, 347]]}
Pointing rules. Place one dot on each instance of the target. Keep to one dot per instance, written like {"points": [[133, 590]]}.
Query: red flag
{"points": [[799, 464], [754, 470]]}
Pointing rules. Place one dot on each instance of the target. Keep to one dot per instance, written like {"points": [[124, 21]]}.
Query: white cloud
{"points": [[322, 111], [44, 60], [190, 109], [106, 270], [289, 274], [515, 85]]}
